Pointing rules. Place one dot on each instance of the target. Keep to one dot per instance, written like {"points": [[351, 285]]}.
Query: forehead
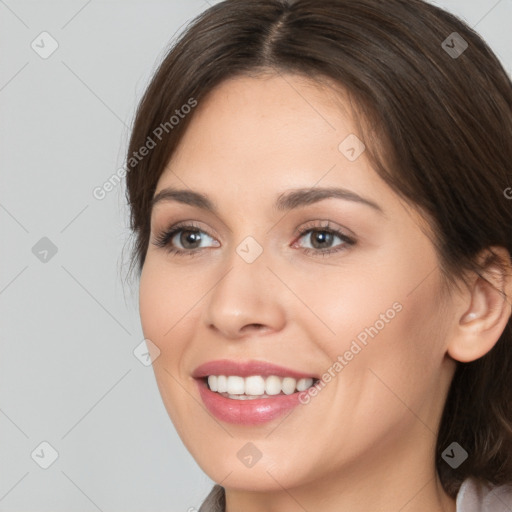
{"points": [[268, 125], [281, 103], [252, 138]]}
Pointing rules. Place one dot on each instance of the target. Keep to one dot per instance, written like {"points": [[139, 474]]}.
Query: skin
{"points": [[367, 440]]}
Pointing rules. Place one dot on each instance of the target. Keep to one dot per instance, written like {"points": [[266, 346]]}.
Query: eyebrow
{"points": [[286, 201]]}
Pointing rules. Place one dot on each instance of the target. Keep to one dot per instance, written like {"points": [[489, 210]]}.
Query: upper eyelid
{"points": [[217, 219], [330, 224], [225, 226]]}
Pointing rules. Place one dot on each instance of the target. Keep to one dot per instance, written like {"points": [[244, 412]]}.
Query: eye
{"points": [[321, 239], [188, 239], [184, 239]]}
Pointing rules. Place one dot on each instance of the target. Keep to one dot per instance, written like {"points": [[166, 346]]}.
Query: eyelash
{"points": [[164, 238]]}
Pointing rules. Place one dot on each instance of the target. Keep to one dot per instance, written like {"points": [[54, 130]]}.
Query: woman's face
{"points": [[328, 287]]}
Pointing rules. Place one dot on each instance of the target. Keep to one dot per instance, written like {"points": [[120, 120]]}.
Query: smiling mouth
{"points": [[256, 386]]}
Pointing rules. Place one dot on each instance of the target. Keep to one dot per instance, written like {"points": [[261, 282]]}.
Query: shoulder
{"points": [[477, 495]]}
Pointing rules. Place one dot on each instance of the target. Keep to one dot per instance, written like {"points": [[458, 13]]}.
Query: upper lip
{"points": [[246, 369]]}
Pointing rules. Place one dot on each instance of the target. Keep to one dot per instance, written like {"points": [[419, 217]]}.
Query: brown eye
{"points": [[319, 239], [322, 240], [184, 239], [189, 239]]}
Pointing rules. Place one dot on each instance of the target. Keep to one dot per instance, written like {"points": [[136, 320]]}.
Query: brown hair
{"points": [[438, 129]]}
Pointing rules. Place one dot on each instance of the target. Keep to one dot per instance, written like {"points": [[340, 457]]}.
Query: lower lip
{"points": [[246, 412]]}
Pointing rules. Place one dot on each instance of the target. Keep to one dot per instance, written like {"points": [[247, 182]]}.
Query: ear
{"points": [[485, 308]]}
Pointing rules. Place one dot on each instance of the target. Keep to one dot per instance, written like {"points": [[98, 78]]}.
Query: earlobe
{"points": [[481, 324]]}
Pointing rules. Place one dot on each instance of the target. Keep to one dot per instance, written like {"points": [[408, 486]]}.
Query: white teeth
{"points": [[222, 384], [256, 386], [303, 384], [273, 385], [236, 385], [289, 385], [212, 382], [245, 397]]}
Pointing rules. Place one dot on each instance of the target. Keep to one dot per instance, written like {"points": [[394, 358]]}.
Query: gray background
{"points": [[69, 325]]}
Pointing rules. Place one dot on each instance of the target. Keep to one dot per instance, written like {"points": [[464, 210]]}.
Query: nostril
{"points": [[254, 327]]}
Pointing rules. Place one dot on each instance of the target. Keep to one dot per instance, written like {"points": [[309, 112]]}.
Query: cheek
{"points": [[348, 304], [386, 316], [152, 304], [166, 310], [166, 303]]}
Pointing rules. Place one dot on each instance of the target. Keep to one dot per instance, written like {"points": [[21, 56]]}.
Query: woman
{"points": [[318, 193]]}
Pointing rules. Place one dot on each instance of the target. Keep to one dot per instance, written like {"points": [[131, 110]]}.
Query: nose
{"points": [[247, 298]]}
